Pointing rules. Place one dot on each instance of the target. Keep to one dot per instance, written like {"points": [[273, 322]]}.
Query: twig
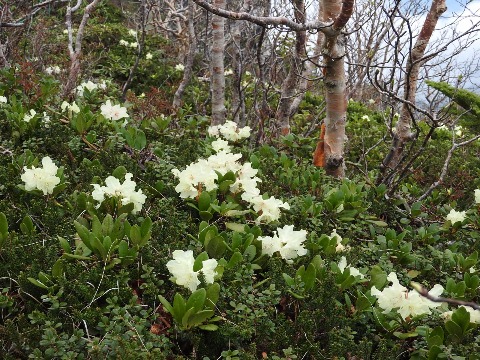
{"points": [[424, 292]]}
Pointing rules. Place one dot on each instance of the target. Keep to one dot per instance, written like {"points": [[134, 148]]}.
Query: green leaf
{"points": [[65, 245], [249, 253], [186, 317], [235, 227], [205, 215], [37, 283], [179, 307], [378, 277], [216, 247], [404, 336], [454, 329], [197, 300], [3, 226], [234, 260], [75, 257], [288, 279], [120, 172], [208, 327], [213, 293], [57, 269], [98, 246], [166, 304], [26, 225], [462, 318], [199, 317], [136, 235], [309, 276], [146, 229], [84, 234], [198, 264], [107, 225], [204, 201], [378, 223]]}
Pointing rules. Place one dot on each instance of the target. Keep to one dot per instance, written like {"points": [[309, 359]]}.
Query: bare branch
{"points": [[424, 292]]}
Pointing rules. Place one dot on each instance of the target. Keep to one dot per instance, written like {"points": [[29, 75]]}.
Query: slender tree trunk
{"points": [[218, 69], [293, 87], [238, 99], [335, 86], [402, 132], [187, 74], [75, 47]]}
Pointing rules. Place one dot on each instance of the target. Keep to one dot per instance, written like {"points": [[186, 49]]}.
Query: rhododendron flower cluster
{"points": [[113, 112], [229, 131], [53, 70], [286, 241], [29, 116], [3, 99], [408, 304], [202, 175], [477, 196], [125, 191], [90, 86], [456, 216], [71, 108], [181, 267], [44, 179]]}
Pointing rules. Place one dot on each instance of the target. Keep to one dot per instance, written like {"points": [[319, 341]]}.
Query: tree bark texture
{"points": [[294, 85], [187, 74], [402, 131], [336, 101], [218, 69]]}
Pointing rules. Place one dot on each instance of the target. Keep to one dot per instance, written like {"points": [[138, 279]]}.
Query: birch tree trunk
{"points": [[187, 74], [218, 69], [336, 101], [402, 131]]}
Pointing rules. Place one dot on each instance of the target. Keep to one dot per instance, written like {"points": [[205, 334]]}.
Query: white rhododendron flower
{"points": [[44, 179], [456, 216], [340, 247], [477, 196], [124, 43], [474, 314], [181, 267], [342, 265], [3, 99], [148, 56], [89, 85], [53, 70], [229, 131], [125, 191], [228, 72], [220, 144], [246, 180], [71, 108], [269, 209], [29, 116], [408, 304], [194, 174], [371, 101], [365, 117], [224, 162], [113, 112], [132, 32], [134, 44], [179, 67], [286, 241]]}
